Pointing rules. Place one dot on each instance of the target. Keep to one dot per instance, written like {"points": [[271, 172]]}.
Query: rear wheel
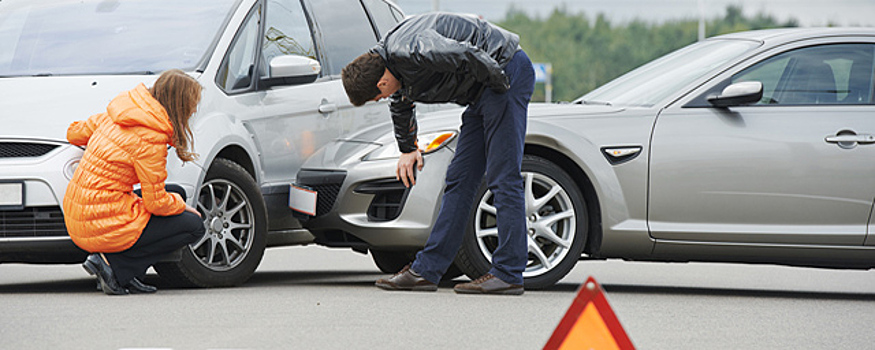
{"points": [[557, 226], [236, 221]]}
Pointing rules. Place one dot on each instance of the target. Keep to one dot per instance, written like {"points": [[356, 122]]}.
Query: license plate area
{"points": [[11, 195], [302, 199]]}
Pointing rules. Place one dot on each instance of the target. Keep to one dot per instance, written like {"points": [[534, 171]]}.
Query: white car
{"points": [[272, 96]]}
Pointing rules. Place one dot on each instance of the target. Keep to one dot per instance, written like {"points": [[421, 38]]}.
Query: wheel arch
{"points": [[238, 155], [584, 184]]}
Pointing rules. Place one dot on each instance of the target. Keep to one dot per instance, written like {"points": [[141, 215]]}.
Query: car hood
{"points": [[451, 119], [43, 107], [354, 146]]}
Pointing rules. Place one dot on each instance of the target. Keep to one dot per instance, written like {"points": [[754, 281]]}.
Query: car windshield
{"points": [[653, 82], [65, 37]]}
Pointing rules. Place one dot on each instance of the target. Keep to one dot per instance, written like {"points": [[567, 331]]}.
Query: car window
{"points": [[825, 74], [657, 80], [347, 34], [286, 32], [107, 37], [382, 15], [235, 73]]}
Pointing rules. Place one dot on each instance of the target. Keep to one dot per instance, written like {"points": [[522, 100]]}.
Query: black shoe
{"points": [[95, 265], [137, 287], [93, 262]]}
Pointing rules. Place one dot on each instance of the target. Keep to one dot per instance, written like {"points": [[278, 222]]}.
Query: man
{"points": [[441, 57]]}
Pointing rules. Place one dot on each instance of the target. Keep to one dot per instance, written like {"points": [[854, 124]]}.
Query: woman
{"points": [[127, 231]]}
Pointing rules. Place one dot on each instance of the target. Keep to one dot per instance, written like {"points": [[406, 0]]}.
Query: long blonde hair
{"points": [[180, 94]]}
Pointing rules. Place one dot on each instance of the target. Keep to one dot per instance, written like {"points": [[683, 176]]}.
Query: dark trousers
{"points": [[162, 235], [491, 142]]}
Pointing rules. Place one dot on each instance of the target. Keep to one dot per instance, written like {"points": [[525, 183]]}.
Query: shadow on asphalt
{"points": [[272, 279]]}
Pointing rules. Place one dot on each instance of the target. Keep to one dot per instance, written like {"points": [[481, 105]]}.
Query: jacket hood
{"points": [[137, 107]]}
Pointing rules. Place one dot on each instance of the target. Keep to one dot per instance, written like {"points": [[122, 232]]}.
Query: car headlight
{"points": [[428, 143]]}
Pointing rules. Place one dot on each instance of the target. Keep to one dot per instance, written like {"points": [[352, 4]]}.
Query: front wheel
{"points": [[235, 217], [557, 226]]}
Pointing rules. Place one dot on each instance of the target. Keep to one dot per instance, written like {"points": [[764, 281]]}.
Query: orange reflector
{"points": [[589, 323], [437, 141]]}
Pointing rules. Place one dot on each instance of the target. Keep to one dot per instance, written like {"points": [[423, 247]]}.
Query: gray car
{"points": [[752, 147]]}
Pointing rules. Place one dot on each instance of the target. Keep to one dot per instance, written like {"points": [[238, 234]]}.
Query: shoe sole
{"points": [[92, 270], [511, 291], [88, 268], [393, 287]]}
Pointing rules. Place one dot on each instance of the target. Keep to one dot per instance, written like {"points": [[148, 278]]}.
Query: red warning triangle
{"points": [[589, 323]]}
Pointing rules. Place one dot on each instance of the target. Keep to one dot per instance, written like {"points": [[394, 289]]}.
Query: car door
{"points": [[299, 119], [346, 35], [795, 168]]}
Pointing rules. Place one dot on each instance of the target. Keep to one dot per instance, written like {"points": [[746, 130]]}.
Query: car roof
{"points": [[791, 34]]}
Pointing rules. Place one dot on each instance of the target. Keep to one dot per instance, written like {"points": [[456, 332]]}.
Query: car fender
{"points": [[622, 207], [213, 133]]}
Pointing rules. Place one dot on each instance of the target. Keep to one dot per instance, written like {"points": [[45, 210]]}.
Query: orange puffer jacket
{"points": [[125, 146]]}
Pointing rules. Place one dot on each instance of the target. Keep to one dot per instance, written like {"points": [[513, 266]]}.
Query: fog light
{"points": [[70, 169]]}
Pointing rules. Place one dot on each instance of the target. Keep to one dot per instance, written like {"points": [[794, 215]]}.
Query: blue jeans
{"points": [[491, 142]]}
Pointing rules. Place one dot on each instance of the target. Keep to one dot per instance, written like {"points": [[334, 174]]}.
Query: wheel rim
{"points": [[550, 223], [229, 221]]}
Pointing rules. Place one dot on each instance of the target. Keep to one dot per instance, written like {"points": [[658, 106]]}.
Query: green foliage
{"points": [[588, 53]]}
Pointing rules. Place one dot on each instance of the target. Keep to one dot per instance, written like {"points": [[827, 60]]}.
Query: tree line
{"points": [[587, 53]]}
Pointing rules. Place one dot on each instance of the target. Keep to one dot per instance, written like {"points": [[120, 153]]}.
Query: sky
{"points": [[808, 13]]}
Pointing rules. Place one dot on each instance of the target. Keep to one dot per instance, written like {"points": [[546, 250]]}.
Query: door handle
{"points": [[848, 139], [326, 108], [862, 138]]}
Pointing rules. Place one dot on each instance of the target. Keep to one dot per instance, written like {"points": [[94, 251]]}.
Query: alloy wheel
{"points": [[228, 218], [550, 220]]}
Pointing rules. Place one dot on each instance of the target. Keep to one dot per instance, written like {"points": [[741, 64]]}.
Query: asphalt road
{"points": [[317, 298]]}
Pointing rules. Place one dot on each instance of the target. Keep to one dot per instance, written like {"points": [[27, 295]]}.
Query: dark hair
{"points": [[180, 94], [360, 78]]}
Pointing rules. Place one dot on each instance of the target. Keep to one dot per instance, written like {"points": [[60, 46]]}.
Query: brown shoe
{"points": [[406, 280], [489, 284]]}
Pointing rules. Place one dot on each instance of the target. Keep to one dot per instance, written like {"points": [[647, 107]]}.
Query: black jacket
{"points": [[442, 57]]}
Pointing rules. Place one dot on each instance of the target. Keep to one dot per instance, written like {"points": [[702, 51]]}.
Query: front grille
{"points": [[32, 222], [325, 198], [327, 185], [24, 149]]}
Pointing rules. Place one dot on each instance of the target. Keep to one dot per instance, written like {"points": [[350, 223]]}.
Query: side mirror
{"points": [[292, 70], [738, 94]]}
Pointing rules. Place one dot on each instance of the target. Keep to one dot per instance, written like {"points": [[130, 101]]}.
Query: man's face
{"points": [[388, 85]]}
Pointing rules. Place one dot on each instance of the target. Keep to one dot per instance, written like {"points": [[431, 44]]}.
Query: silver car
{"points": [[272, 96], [752, 147]]}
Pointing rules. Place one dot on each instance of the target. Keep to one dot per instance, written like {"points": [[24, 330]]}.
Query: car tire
{"points": [[235, 217], [392, 262], [389, 261], [553, 249]]}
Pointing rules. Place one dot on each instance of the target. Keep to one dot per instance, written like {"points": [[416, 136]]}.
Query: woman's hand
{"points": [[191, 209]]}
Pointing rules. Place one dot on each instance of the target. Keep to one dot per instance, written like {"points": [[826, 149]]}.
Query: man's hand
{"points": [[404, 171]]}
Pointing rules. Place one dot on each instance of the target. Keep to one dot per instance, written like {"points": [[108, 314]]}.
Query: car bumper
{"points": [[371, 208]]}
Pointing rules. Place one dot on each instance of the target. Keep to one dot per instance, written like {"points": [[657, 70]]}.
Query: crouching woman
{"points": [[125, 230]]}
